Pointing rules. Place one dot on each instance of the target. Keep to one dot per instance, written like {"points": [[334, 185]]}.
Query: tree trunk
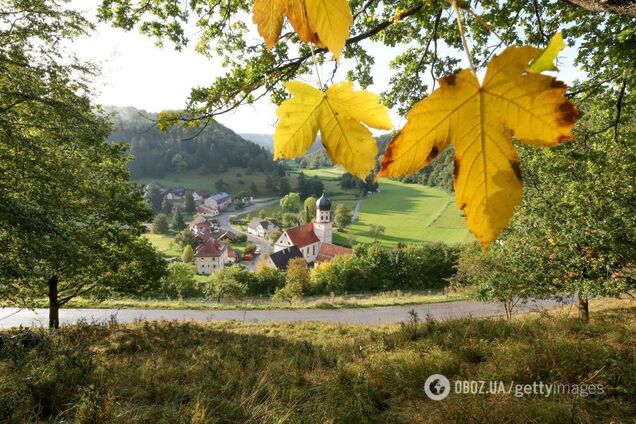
{"points": [[619, 7], [54, 303], [584, 307]]}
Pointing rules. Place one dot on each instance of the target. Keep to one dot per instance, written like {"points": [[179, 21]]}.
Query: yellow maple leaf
{"points": [[269, 16], [339, 114], [331, 20], [325, 23], [480, 120], [545, 61]]}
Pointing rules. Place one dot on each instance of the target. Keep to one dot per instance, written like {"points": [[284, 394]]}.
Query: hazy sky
{"points": [[137, 73]]}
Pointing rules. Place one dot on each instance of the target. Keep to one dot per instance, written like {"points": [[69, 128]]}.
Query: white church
{"points": [[313, 240]]}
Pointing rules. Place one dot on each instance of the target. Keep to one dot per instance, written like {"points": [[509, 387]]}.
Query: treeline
{"points": [[371, 268], [156, 153]]}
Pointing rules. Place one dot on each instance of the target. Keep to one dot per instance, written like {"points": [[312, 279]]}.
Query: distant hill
{"points": [[213, 149], [267, 141]]}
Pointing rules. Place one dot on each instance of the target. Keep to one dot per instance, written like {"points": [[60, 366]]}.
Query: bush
{"points": [[251, 248]]}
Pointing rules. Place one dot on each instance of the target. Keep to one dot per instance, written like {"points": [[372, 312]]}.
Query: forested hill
{"points": [[157, 153]]}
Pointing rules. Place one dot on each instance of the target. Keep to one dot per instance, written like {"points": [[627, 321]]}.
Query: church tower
{"points": [[323, 226]]}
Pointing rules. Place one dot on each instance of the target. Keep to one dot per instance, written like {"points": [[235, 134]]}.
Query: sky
{"points": [[135, 72]]}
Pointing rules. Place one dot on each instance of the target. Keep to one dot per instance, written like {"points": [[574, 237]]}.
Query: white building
{"points": [[210, 257], [310, 238], [261, 227]]}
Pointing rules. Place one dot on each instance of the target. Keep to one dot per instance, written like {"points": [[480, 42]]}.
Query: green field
{"points": [[236, 179], [411, 213], [164, 244]]}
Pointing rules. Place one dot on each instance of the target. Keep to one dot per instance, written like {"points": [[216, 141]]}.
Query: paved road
{"points": [[12, 317], [263, 244]]}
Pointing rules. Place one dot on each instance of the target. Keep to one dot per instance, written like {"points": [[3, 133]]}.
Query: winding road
{"points": [[13, 317]]}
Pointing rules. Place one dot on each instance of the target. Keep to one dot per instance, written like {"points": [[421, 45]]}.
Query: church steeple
{"points": [[323, 209], [322, 224]]}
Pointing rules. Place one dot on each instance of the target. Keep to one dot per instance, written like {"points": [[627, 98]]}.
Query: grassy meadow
{"points": [[172, 372], [236, 179], [411, 213]]}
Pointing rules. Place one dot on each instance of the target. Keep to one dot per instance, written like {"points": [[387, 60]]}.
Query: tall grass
{"points": [[316, 373]]}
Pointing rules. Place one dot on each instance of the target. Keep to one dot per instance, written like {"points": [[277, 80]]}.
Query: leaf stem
{"points": [[458, 13], [313, 56]]}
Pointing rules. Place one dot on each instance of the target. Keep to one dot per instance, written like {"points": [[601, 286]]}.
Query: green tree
{"points": [[186, 238], [578, 217], [160, 224], [178, 223], [262, 214], [188, 254], [342, 216], [253, 188], [290, 203], [70, 220], [228, 283], [155, 199], [166, 206], [180, 280], [190, 206], [376, 231], [297, 281], [309, 210], [221, 185], [283, 186]]}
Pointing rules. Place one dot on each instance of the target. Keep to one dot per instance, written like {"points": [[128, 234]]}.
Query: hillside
{"points": [[322, 373], [211, 150]]}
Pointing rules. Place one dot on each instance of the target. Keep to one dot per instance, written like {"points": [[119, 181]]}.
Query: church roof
{"points": [[303, 236], [329, 251], [282, 257]]}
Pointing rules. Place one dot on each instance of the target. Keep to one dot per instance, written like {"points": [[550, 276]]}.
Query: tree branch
{"points": [[618, 7]]}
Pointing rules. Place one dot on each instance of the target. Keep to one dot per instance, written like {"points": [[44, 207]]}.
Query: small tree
{"points": [[297, 281], [160, 224], [228, 283], [190, 207], [180, 280], [178, 223], [309, 209], [166, 206], [342, 216], [283, 186], [188, 254], [290, 203], [220, 185], [376, 231], [187, 238], [155, 199], [262, 214], [254, 189], [251, 248]]}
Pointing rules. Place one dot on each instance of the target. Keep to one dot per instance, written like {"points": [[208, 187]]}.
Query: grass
{"points": [[164, 244], [411, 213], [172, 372], [203, 180], [371, 300]]}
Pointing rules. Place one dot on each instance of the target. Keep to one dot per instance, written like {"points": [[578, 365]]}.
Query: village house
{"points": [[310, 239], [199, 196], [261, 227], [176, 193], [207, 211], [222, 199], [211, 256], [200, 224], [156, 185]]}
